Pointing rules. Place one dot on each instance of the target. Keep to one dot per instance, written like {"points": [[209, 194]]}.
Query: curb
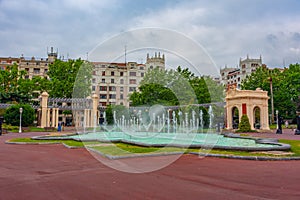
{"points": [[258, 158]]}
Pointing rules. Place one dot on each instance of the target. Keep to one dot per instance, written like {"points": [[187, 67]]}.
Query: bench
{"points": [[49, 128]]}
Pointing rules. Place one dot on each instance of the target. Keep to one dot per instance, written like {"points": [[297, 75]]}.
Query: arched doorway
{"points": [[256, 117], [235, 118]]}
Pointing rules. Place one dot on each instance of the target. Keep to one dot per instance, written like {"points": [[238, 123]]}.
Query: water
{"points": [[161, 127], [168, 139]]}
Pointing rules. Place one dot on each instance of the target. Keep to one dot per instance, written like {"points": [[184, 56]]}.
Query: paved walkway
{"points": [[288, 134], [55, 172]]}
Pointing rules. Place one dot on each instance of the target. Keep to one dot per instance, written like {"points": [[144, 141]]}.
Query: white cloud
{"points": [[227, 29]]}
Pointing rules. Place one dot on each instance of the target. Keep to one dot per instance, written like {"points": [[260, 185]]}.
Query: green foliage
{"points": [[12, 115], [119, 109], [14, 87], [66, 76], [180, 87], [286, 87], [244, 125]]}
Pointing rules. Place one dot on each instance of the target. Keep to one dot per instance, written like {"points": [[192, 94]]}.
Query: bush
{"points": [[244, 125], [12, 115]]}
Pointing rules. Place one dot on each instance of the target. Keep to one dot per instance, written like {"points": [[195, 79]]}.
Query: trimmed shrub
{"points": [[12, 115], [244, 125]]}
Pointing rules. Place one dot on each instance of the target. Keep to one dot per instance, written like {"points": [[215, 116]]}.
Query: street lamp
{"points": [[20, 129], [277, 119], [272, 99]]}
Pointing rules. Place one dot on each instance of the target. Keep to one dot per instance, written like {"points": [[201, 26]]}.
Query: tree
{"points": [[286, 87], [65, 75], [13, 85], [12, 115], [244, 125]]}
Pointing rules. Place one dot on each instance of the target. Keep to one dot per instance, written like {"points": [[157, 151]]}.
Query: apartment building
{"points": [[33, 66], [114, 82], [234, 76]]}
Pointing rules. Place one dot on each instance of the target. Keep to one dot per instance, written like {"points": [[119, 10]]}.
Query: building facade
{"points": [[114, 82], [234, 76], [33, 66]]}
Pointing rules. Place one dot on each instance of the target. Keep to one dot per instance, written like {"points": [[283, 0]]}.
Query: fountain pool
{"points": [[191, 140]]}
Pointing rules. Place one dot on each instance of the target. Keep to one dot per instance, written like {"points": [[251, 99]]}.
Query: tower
{"points": [[157, 61], [52, 55]]}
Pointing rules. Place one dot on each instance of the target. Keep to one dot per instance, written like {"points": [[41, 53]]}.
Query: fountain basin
{"points": [[191, 140]]}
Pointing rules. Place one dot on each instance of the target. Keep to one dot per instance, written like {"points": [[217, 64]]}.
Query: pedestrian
{"points": [[286, 124], [59, 127]]}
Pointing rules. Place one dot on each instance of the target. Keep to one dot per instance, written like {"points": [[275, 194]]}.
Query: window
{"points": [[151, 67], [141, 68], [121, 81], [121, 73], [103, 80], [27, 69], [26, 77], [93, 80], [132, 81], [131, 89], [112, 88], [121, 96], [94, 72], [112, 73], [46, 70], [142, 74], [103, 73], [93, 88], [102, 96], [112, 96], [132, 73], [112, 80], [36, 70], [121, 89], [103, 88]]}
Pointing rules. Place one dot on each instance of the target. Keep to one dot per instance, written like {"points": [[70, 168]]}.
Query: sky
{"points": [[226, 30]]}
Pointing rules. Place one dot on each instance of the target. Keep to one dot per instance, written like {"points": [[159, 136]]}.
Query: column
{"points": [[44, 103], [94, 113]]}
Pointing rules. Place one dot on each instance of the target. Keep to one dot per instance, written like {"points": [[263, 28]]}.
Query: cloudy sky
{"points": [[226, 29]]}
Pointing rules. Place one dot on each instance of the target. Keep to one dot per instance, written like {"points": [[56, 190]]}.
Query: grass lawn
{"points": [[119, 149]]}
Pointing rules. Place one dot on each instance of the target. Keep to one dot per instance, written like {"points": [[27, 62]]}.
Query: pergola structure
{"points": [[84, 110], [252, 103]]}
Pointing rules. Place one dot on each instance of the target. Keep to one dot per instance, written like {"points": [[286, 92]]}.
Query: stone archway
{"points": [[247, 101], [235, 117], [257, 117]]}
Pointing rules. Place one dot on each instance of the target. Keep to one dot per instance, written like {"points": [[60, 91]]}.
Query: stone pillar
{"points": [[44, 104], [53, 118], [56, 117], [48, 117], [94, 113]]}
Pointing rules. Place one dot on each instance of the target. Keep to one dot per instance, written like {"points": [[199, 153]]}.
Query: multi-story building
{"points": [[114, 82], [235, 76], [33, 66]]}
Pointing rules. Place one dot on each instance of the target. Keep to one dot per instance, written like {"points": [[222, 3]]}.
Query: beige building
{"points": [[235, 76], [114, 82], [254, 104], [33, 66]]}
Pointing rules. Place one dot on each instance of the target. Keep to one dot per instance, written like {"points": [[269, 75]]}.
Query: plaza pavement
{"points": [[55, 172]]}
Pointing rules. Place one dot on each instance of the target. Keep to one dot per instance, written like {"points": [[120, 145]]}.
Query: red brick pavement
{"points": [[55, 172]]}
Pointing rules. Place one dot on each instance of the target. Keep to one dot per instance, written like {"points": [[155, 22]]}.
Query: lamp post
{"points": [[20, 129], [279, 123], [277, 120], [272, 99]]}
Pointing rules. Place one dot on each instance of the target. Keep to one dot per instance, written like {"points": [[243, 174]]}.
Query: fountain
{"points": [[160, 127]]}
